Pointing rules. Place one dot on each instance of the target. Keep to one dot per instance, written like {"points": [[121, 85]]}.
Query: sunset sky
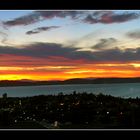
{"points": [[59, 45]]}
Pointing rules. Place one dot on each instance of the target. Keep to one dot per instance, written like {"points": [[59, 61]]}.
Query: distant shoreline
{"points": [[8, 83], [66, 84]]}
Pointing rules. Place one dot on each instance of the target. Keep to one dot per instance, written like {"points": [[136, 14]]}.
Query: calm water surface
{"points": [[121, 90]]}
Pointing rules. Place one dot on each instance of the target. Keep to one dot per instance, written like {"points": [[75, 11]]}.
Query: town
{"points": [[69, 111]]}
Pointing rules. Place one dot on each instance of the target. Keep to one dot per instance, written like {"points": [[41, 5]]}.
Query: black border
{"points": [[69, 5], [64, 135]]}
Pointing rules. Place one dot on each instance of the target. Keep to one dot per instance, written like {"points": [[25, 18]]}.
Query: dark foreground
{"points": [[74, 111]]}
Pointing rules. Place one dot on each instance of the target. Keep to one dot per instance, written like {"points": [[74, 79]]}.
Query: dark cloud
{"points": [[123, 17], [41, 50], [117, 54], [110, 17], [41, 29], [24, 20], [104, 43], [41, 15], [51, 50], [100, 13], [134, 34], [91, 17]]}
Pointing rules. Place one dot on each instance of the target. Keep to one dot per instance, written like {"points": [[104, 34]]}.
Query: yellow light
{"points": [[79, 71], [136, 65], [111, 65], [35, 68], [10, 68], [12, 77]]}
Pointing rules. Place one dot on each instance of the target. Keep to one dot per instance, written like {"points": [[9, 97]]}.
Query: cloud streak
{"points": [[90, 17], [41, 15], [110, 17], [4, 37], [41, 29], [104, 43], [54, 51], [134, 34]]}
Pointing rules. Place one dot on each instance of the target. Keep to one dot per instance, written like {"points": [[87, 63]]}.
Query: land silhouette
{"points": [[26, 82]]}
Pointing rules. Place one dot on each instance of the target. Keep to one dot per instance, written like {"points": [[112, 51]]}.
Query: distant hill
{"points": [[26, 82], [101, 80]]}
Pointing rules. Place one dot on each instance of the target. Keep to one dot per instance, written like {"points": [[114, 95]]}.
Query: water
{"points": [[119, 90]]}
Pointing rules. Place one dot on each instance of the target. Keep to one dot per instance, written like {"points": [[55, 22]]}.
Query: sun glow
{"points": [[13, 77], [66, 72], [136, 65]]}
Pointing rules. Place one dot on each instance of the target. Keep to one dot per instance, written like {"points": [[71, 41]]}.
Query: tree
{"points": [[4, 96]]}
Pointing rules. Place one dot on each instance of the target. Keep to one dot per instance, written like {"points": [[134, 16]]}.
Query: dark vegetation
{"points": [[69, 81], [77, 110]]}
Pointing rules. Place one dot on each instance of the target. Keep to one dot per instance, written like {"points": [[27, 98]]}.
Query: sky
{"points": [[65, 44]]}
